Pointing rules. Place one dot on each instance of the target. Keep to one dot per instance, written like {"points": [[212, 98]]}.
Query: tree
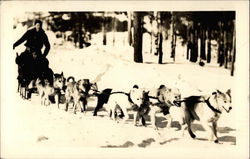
{"points": [[194, 42], [114, 21], [138, 37], [163, 20], [129, 28], [173, 41], [233, 50], [160, 38], [104, 29], [203, 42], [209, 45]]}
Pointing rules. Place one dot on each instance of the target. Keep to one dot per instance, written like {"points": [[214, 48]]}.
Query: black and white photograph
{"points": [[124, 79]]}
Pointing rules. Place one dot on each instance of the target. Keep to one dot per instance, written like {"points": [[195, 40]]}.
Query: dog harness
{"points": [[211, 107], [162, 105], [206, 101]]}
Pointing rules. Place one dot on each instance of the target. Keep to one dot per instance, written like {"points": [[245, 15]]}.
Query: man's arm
{"points": [[47, 46], [21, 40]]}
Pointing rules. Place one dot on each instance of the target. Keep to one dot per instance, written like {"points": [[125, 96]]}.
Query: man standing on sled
{"points": [[35, 38], [32, 62]]}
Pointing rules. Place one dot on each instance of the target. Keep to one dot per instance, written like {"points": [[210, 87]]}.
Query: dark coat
{"points": [[35, 40]]}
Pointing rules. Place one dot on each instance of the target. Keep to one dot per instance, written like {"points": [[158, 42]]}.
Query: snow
{"points": [[31, 130]]}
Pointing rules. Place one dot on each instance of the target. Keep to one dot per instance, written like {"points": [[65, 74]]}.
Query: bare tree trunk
{"points": [[104, 30], [194, 46], [129, 29], [151, 36], [203, 44], [160, 52], [233, 50], [209, 46], [188, 42], [156, 51], [138, 37], [175, 38], [80, 36], [160, 49], [225, 46], [114, 28], [173, 42], [221, 45]]}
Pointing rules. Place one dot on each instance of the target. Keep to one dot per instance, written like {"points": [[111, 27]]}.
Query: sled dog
{"points": [[161, 103], [124, 101], [47, 87], [205, 110], [78, 92]]}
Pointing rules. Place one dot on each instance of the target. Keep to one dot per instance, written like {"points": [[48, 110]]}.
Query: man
{"points": [[31, 63], [35, 38]]}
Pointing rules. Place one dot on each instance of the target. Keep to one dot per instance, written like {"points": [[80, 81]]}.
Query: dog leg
{"points": [[183, 126], [125, 112], [47, 100], [136, 117], [152, 118], [209, 130], [18, 87], [74, 107], [25, 93], [42, 97], [99, 105], [143, 122], [43, 100], [188, 121], [112, 112], [81, 106], [84, 103], [214, 128], [169, 119], [21, 92], [57, 100], [66, 105], [190, 130], [183, 129]]}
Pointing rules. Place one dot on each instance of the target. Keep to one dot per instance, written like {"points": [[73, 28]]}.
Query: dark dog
{"points": [[159, 102], [102, 98]]}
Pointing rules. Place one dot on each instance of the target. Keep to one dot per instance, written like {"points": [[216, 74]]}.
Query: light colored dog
{"points": [[46, 88], [125, 102], [206, 110]]}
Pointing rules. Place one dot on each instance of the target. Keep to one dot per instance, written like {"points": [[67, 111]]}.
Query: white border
{"points": [[241, 150]]}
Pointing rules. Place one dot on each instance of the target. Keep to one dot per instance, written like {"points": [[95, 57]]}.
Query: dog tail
{"points": [[71, 78]]}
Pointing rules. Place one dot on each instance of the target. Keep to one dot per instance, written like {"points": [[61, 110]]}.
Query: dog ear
{"points": [[228, 92], [214, 93], [218, 91], [136, 86], [62, 73]]}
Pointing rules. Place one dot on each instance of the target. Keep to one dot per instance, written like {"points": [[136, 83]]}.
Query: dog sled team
{"points": [[35, 76], [141, 102]]}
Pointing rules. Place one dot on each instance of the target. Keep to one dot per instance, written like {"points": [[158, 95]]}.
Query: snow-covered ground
{"points": [[31, 130]]}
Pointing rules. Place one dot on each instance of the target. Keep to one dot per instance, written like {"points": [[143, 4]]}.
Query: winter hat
{"points": [[39, 22]]}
